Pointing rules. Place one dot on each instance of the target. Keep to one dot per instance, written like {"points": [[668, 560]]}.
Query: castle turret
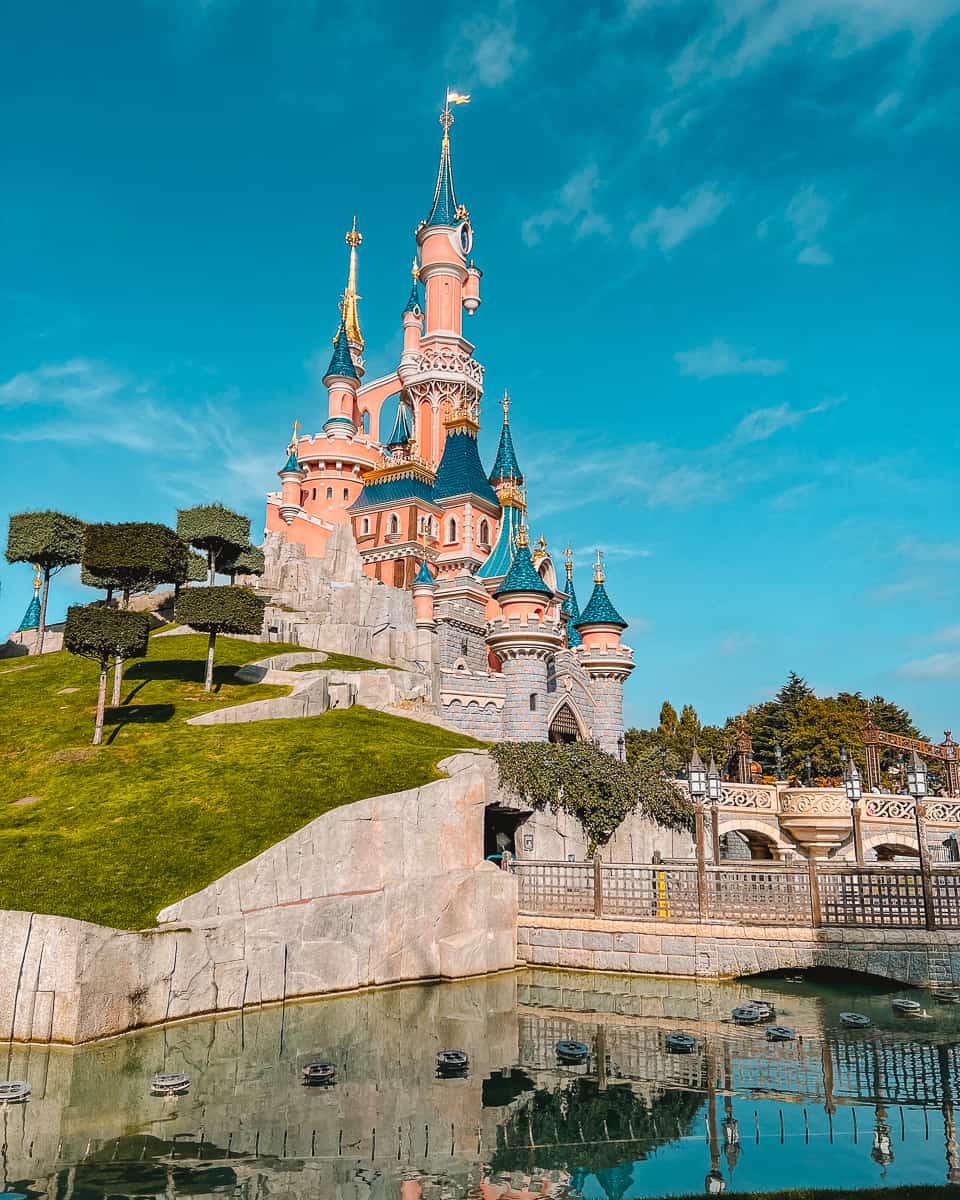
{"points": [[291, 477], [605, 660], [342, 383], [524, 638], [423, 588]]}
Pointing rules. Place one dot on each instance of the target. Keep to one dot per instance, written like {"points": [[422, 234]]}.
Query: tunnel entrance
{"points": [[500, 829]]}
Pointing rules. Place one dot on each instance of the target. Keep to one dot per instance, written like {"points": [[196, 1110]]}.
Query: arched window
{"points": [[393, 526], [452, 529], [533, 701], [365, 421], [329, 493], [346, 493], [484, 532], [365, 525], [314, 493]]}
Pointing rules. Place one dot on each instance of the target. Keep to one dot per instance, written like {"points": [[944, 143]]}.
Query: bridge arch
{"points": [[760, 839]]}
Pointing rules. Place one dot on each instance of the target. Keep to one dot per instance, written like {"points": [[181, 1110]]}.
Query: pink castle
{"points": [[509, 653]]}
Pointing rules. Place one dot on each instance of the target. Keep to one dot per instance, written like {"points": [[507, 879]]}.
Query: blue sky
{"points": [[720, 250]]}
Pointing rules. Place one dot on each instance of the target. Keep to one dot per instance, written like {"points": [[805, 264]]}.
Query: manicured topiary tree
{"points": [[216, 610], [219, 532], [102, 633], [249, 561], [132, 556], [52, 540]]}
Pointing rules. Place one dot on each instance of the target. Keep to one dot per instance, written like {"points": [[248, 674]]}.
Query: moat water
{"points": [[837, 1107]]}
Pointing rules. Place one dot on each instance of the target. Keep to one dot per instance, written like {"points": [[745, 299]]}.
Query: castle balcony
{"points": [[530, 636], [447, 370]]}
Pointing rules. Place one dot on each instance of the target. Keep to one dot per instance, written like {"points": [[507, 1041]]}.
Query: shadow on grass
{"points": [[139, 714], [184, 670]]}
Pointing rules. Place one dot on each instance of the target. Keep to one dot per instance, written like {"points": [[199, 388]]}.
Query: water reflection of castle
{"points": [[517, 1125]]}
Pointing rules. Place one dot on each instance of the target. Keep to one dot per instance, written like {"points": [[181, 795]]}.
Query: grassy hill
{"points": [[113, 833]]}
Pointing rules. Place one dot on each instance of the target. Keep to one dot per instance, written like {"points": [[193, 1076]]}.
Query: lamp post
{"points": [[714, 795], [778, 755], [853, 786], [808, 769], [697, 782], [620, 745], [917, 787]]}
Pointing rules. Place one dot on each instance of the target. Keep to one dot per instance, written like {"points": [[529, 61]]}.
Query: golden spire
{"points": [[37, 579], [598, 575], [295, 434], [348, 305], [522, 538], [568, 561], [415, 270], [506, 406]]}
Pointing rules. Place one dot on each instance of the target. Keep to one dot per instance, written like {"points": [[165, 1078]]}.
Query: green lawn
{"points": [[162, 808], [341, 662]]}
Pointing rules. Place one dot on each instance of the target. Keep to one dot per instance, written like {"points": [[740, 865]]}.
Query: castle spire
{"points": [[413, 304], [571, 606], [505, 465], [341, 362], [349, 313], [445, 210], [31, 618]]}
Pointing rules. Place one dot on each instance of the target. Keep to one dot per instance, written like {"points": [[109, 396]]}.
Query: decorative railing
{"points": [[811, 895], [751, 797], [814, 802]]}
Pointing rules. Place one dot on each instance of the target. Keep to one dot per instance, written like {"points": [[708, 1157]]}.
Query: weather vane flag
{"points": [[457, 97]]}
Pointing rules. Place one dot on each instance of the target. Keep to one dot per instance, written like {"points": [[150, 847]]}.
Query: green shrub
{"points": [[134, 555], [52, 540], [219, 532], [104, 633], [219, 610]]}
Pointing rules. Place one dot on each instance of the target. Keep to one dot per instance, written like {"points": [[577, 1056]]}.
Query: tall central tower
{"points": [[445, 381]]}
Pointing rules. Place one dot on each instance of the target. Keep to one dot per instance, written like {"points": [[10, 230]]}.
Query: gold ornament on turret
{"points": [[349, 311], [598, 575]]}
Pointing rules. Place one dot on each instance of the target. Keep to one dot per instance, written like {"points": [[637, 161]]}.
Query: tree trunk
{"points": [[101, 701], [211, 568], [118, 668], [211, 645], [42, 623]]}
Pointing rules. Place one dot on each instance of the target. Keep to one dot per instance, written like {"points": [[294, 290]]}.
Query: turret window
{"points": [[365, 525], [533, 701], [484, 532], [346, 493], [329, 493], [393, 525], [452, 529]]}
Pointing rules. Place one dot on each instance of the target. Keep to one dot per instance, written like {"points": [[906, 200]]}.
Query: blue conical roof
{"points": [[31, 618], [501, 556], [505, 465], [414, 302], [443, 211], [522, 576], [402, 430], [571, 610], [341, 363], [600, 610], [461, 472], [291, 464], [423, 575]]}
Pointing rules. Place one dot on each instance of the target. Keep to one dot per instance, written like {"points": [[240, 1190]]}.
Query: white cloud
{"points": [[945, 665], [763, 423], [808, 213], [669, 227], [888, 104], [792, 497], [929, 552], [490, 48], [735, 643], [573, 207], [950, 633], [719, 358]]}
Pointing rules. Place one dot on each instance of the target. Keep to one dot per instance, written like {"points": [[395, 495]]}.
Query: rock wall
{"points": [[329, 604], [388, 889], [910, 956], [555, 836]]}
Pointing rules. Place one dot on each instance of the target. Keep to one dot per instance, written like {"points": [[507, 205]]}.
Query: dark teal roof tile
{"points": [[423, 575], [402, 430], [522, 576], [461, 472], [31, 618], [600, 610], [501, 556], [414, 303], [291, 464], [342, 363], [393, 491], [505, 465], [571, 610]]}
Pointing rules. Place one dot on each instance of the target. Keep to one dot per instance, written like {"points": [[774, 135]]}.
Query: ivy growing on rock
{"points": [[597, 789]]}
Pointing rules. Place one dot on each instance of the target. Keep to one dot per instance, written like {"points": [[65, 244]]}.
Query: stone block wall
{"points": [[909, 956], [607, 693], [525, 720]]}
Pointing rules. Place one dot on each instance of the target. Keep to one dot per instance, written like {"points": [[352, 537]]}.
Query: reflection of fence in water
{"points": [[856, 1069]]}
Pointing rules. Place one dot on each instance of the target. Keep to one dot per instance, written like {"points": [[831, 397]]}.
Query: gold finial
{"points": [[542, 544], [522, 538], [294, 435], [568, 560], [349, 312], [37, 579], [598, 575], [354, 236], [415, 270], [506, 406]]}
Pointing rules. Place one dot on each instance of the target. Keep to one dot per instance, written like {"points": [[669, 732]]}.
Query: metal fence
{"points": [[804, 895]]}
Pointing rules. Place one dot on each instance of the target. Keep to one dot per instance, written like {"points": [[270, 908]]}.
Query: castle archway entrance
{"points": [[564, 726]]}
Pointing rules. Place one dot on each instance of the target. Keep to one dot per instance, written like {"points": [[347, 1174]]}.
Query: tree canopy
{"points": [[591, 785], [218, 531], [51, 539], [134, 555], [220, 610], [249, 561], [101, 633], [800, 722]]}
